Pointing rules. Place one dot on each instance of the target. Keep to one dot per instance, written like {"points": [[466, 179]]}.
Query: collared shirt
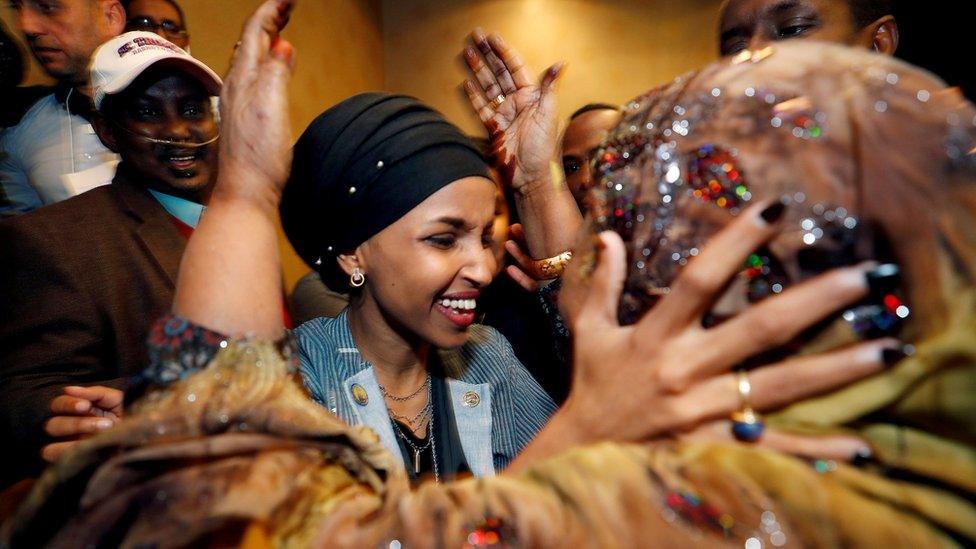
{"points": [[51, 141], [498, 407], [186, 211]]}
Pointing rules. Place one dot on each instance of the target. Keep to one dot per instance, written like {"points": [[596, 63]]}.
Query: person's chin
{"points": [[446, 336], [189, 184], [55, 69]]}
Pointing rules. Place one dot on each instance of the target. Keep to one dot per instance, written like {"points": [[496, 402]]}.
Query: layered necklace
{"points": [[424, 417]]}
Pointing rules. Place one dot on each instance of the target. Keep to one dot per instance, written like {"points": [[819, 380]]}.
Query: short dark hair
{"points": [[865, 12], [593, 107], [179, 10]]}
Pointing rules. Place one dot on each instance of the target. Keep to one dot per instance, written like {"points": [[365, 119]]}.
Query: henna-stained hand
{"points": [[523, 127]]}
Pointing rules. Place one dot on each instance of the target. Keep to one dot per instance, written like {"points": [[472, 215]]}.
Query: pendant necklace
{"points": [[428, 410]]}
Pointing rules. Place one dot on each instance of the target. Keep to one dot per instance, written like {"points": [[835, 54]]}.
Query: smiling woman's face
{"points": [[754, 24], [425, 272]]}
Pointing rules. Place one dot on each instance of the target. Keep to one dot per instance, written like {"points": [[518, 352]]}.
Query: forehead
{"points": [[162, 84], [68, 5], [157, 9], [736, 12], [471, 199], [588, 129]]}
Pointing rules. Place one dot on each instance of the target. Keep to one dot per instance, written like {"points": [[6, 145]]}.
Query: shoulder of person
{"points": [[21, 103], [81, 210], [486, 356], [322, 333], [73, 224]]}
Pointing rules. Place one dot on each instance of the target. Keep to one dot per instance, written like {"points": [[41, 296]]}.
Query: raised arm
{"points": [[230, 279], [521, 119]]}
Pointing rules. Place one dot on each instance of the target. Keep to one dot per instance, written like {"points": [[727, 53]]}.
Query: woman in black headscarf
{"points": [[393, 205]]}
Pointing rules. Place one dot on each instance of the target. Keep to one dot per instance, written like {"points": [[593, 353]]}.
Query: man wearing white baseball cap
{"points": [[83, 279]]}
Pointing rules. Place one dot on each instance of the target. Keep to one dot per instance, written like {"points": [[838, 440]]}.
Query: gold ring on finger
{"points": [[496, 102], [747, 425]]}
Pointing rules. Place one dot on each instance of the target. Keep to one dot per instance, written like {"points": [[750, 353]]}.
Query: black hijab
{"points": [[362, 165]]}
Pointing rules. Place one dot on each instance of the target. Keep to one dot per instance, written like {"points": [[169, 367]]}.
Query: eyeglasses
{"points": [[146, 23]]}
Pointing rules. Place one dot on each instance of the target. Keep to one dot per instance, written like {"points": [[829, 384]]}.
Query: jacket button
{"points": [[471, 399], [359, 394]]}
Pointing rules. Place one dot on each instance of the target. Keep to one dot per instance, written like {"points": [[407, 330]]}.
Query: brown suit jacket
{"points": [[81, 281]]}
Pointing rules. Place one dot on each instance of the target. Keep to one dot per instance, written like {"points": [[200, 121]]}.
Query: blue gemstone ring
{"points": [[747, 425]]}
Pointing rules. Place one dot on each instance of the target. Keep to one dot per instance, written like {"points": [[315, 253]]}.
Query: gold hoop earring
{"points": [[357, 279]]}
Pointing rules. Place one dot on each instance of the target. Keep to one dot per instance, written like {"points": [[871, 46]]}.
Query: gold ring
{"points": [[747, 425], [496, 102]]}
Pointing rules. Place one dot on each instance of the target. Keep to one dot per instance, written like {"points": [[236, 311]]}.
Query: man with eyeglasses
{"points": [[52, 153], [163, 17]]}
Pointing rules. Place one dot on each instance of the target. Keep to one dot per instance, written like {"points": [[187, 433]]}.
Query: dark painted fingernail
{"points": [[891, 356], [883, 279], [773, 212], [863, 458]]}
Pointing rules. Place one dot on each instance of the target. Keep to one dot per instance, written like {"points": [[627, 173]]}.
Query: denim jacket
{"points": [[497, 404]]}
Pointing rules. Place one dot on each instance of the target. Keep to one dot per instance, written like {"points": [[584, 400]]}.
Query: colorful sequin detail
{"points": [[714, 177], [491, 533], [692, 509]]}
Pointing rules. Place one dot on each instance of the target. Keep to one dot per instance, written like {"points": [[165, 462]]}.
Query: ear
{"points": [[883, 35], [114, 15], [104, 131], [350, 262]]}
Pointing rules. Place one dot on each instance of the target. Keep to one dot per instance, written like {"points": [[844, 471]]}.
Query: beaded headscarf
{"points": [[873, 156]]}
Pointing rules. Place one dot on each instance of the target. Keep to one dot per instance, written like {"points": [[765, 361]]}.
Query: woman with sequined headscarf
{"points": [[237, 449]]}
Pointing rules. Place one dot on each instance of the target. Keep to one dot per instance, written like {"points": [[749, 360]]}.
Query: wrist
{"points": [[538, 181], [575, 425], [246, 187]]}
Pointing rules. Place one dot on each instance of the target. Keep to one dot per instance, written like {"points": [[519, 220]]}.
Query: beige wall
{"points": [[340, 52], [615, 49]]}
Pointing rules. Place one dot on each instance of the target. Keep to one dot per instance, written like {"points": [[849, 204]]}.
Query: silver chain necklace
{"points": [[431, 443], [395, 398]]}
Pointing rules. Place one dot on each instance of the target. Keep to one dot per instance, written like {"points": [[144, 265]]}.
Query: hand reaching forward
{"points": [[519, 114], [522, 271], [668, 375], [79, 413], [256, 139]]}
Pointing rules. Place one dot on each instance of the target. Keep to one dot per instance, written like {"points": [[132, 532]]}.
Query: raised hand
{"points": [[230, 279], [520, 116], [256, 136], [668, 375], [80, 412], [683, 368], [519, 113]]}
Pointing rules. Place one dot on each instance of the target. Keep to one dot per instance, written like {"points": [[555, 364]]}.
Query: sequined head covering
{"points": [[362, 165], [873, 155]]}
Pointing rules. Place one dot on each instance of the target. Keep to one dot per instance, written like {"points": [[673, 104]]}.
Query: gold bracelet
{"points": [[551, 267]]}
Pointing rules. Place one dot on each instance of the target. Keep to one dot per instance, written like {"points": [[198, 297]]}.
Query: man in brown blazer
{"points": [[82, 280]]}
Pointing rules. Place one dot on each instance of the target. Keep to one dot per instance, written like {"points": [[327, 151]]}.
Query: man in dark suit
{"points": [[82, 280]]}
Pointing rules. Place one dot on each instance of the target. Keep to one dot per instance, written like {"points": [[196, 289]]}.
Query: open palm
{"points": [[520, 115]]}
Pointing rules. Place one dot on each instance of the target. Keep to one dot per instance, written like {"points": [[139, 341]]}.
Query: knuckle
{"points": [[673, 380], [695, 281], [767, 330], [681, 412]]}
